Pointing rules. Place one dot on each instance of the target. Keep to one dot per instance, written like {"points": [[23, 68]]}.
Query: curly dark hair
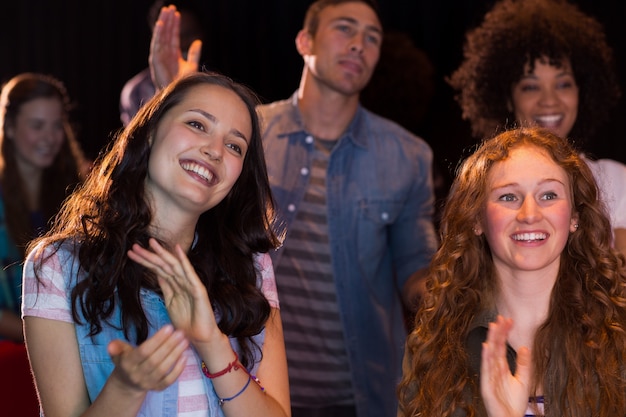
{"points": [[582, 343], [518, 32], [110, 212]]}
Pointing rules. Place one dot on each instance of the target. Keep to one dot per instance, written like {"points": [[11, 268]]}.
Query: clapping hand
{"points": [[504, 394], [185, 296], [153, 365]]}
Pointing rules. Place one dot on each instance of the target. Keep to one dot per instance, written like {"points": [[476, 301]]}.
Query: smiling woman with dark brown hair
{"points": [[154, 291]]}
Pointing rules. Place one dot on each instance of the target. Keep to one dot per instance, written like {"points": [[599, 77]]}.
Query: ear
{"points": [[477, 229], [573, 223], [304, 42]]}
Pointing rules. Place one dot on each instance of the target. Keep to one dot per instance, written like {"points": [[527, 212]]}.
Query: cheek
{"points": [[522, 101], [58, 140], [562, 218], [372, 55], [24, 143], [521, 109], [572, 99], [234, 171], [496, 220]]}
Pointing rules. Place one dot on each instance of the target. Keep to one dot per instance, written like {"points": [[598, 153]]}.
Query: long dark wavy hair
{"points": [[517, 32], [58, 179], [579, 351], [110, 212]]}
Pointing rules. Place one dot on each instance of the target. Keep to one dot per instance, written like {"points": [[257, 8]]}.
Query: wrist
{"points": [[232, 366]]}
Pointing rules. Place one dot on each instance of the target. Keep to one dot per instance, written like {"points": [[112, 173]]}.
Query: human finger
{"points": [[154, 364], [157, 258], [193, 58]]}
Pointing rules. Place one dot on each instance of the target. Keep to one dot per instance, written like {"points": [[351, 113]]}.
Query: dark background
{"points": [[95, 46]]}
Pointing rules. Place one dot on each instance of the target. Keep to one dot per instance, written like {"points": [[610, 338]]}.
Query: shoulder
{"points": [[275, 108], [57, 258], [265, 272], [610, 166], [607, 172], [387, 131], [279, 118], [142, 77]]}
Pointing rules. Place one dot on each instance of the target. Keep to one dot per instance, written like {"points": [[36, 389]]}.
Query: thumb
{"points": [[524, 365], [194, 52], [116, 348]]}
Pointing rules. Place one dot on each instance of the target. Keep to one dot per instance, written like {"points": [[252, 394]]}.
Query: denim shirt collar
{"points": [[357, 131]]}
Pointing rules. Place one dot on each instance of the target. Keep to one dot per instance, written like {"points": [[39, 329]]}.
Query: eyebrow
{"points": [[356, 22], [515, 184], [562, 73], [212, 118]]}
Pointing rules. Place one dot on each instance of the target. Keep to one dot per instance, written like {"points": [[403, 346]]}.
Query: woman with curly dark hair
{"points": [[544, 62], [153, 294], [524, 236]]}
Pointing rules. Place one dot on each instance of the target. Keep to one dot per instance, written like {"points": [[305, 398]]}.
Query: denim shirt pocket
{"points": [[97, 366], [374, 218]]}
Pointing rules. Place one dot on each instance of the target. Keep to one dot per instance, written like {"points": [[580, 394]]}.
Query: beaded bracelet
{"points": [[223, 400], [232, 365]]}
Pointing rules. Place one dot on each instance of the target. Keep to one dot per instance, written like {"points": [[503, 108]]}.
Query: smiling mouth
{"points": [[530, 237], [549, 121], [198, 170]]}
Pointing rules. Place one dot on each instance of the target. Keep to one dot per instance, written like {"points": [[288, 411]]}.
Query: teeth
{"points": [[530, 236], [548, 119], [44, 149], [198, 169]]}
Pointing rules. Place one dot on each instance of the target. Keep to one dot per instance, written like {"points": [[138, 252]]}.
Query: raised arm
{"points": [[166, 58]]}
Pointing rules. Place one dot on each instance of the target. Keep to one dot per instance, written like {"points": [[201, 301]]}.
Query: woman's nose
{"points": [[529, 211]]}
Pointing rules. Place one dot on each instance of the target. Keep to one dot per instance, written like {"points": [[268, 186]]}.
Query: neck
{"points": [[31, 178], [174, 227], [525, 298], [326, 112], [172, 235]]}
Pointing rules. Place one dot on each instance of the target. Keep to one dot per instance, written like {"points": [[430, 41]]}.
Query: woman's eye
{"points": [[196, 124], [507, 197], [235, 148], [528, 87], [549, 196], [566, 84]]}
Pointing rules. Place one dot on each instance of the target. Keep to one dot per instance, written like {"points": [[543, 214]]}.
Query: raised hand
{"points": [[185, 296], [153, 365], [166, 58], [504, 394]]}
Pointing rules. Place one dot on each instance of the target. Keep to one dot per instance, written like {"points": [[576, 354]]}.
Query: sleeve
{"points": [[265, 272], [412, 236], [614, 185], [50, 296]]}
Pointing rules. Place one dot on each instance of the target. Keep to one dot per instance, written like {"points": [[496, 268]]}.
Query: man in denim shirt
{"points": [[355, 192]]}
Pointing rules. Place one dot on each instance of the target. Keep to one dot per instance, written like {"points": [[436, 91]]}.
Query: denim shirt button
{"points": [[291, 207], [384, 216], [309, 139], [304, 171]]}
